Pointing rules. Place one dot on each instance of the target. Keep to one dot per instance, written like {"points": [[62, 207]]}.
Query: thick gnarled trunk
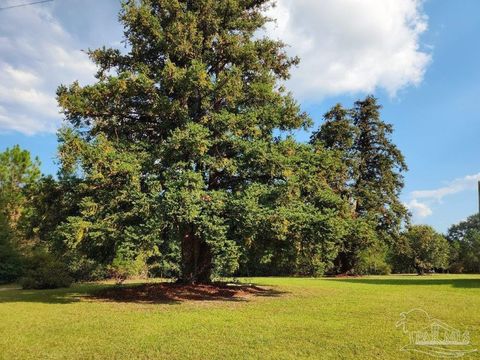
{"points": [[196, 259]]}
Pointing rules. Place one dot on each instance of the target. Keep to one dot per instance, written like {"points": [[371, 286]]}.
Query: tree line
{"points": [[180, 161]]}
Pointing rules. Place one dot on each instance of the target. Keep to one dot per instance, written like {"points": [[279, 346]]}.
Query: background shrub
{"points": [[10, 264], [372, 262], [123, 267], [44, 271], [10, 259]]}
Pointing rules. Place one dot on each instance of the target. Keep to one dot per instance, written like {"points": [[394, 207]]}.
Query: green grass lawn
{"points": [[352, 318]]}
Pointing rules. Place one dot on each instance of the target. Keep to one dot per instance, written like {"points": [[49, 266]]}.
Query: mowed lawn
{"points": [[326, 318]]}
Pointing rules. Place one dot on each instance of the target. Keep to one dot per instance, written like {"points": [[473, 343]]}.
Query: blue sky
{"points": [[419, 57]]}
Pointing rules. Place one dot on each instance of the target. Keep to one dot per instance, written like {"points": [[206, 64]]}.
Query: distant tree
{"points": [[464, 239], [369, 180], [361, 252], [458, 231], [470, 252], [400, 256], [425, 249], [378, 177], [18, 172], [18, 175]]}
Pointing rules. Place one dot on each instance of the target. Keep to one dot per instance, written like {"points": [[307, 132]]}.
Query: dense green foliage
{"points": [[175, 148], [10, 260], [123, 268], [465, 245], [423, 249], [370, 180], [17, 173], [180, 161], [43, 271], [176, 154], [18, 176]]}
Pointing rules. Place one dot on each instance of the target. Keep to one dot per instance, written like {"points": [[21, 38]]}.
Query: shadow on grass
{"points": [[57, 296], [171, 293], [420, 281], [150, 293]]}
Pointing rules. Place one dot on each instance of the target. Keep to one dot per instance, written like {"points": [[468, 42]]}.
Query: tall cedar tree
{"points": [[378, 177], [370, 180], [338, 134], [194, 104]]}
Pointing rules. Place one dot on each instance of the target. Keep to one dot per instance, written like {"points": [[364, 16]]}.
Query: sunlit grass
{"points": [[310, 318]]}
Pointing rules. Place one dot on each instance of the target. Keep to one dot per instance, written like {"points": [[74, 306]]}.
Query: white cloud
{"points": [[345, 45], [17, 75], [418, 209], [458, 185], [421, 209], [23, 123], [23, 90], [36, 55], [349, 46]]}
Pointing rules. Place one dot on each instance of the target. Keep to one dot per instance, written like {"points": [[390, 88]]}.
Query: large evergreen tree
{"points": [[338, 134], [378, 177], [370, 180], [181, 129]]}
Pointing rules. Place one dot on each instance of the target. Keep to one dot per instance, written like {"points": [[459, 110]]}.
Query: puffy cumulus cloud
{"points": [[36, 55], [422, 201], [345, 46], [349, 46], [418, 209]]}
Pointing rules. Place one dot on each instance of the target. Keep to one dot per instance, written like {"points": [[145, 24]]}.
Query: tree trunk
{"points": [[196, 259]]}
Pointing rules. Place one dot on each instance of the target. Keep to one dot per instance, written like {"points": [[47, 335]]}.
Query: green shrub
{"points": [[10, 259], [372, 262], [10, 265], [82, 268], [163, 268], [44, 271], [123, 268], [317, 266]]}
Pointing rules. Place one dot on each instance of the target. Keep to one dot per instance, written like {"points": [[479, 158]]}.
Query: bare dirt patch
{"points": [[176, 293]]}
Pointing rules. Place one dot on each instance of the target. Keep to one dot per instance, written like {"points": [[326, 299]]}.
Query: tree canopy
{"points": [[182, 157], [182, 146], [180, 160], [425, 249], [187, 121], [464, 239]]}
